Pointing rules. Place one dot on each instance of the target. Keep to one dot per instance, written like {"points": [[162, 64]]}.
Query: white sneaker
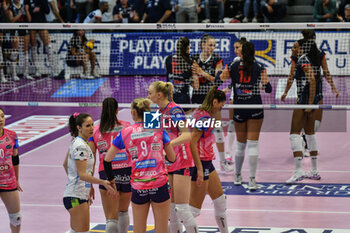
{"points": [[252, 184], [206, 21], [15, 78], [297, 176], [226, 167], [255, 20], [87, 76], [245, 20], [237, 180], [28, 77], [96, 74], [3, 79], [313, 175]]}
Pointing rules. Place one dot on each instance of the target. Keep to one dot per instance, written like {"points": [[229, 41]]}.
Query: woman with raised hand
{"points": [[9, 175], [149, 178], [180, 171], [79, 166], [205, 179], [115, 209]]}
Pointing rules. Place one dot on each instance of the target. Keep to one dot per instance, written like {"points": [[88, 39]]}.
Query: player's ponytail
{"points": [[214, 93], [248, 52], [166, 88], [74, 120], [181, 49], [108, 114], [141, 105]]}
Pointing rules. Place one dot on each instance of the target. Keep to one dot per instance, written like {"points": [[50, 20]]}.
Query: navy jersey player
{"points": [[179, 72], [248, 77]]}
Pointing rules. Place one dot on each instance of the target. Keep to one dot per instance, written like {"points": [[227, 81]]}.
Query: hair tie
{"points": [[76, 114]]}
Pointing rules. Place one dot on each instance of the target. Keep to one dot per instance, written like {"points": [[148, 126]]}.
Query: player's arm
{"points": [[266, 85], [55, 11], [196, 135], [65, 163], [328, 77], [290, 81], [168, 148], [15, 162], [93, 149]]}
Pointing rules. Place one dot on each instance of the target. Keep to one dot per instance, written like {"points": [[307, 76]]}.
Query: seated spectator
{"points": [[107, 17], [246, 9], [346, 13], [82, 8], [80, 53], [123, 12], [325, 11], [96, 15], [207, 5], [187, 11], [158, 11], [274, 10], [341, 9]]}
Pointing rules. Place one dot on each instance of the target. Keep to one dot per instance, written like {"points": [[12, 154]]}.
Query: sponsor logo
{"points": [[310, 25], [155, 146], [141, 135], [66, 25], [4, 167], [120, 157], [166, 26], [122, 178], [265, 51], [191, 123], [151, 120], [146, 163], [145, 173], [214, 26]]}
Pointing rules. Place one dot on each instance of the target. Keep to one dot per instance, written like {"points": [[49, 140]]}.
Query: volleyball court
{"points": [[38, 111]]}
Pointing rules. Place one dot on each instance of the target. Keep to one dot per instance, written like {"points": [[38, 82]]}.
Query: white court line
{"points": [[48, 143], [58, 166], [25, 85], [205, 209]]}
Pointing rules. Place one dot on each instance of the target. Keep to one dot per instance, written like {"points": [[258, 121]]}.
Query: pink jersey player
{"points": [[103, 143], [206, 142], [171, 114], [146, 151], [8, 142]]}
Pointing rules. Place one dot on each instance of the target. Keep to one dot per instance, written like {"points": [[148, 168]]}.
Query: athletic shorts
{"points": [[7, 190], [188, 171], [208, 168], [74, 63], [20, 32], [157, 195], [122, 179], [71, 202], [242, 115]]}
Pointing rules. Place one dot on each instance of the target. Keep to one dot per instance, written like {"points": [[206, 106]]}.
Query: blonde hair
{"points": [[141, 105], [166, 88], [213, 93]]}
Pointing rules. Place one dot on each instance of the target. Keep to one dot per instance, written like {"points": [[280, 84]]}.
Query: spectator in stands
{"points": [[187, 11], [124, 12], [107, 17], [140, 7], [341, 9], [68, 11], [246, 10], [82, 8], [96, 15], [274, 10], [54, 16], [3, 8], [208, 3], [80, 53], [325, 11], [35, 11], [158, 11], [347, 13]]}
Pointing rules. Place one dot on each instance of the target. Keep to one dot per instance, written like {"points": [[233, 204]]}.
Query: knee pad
{"points": [[195, 211], [14, 55], [253, 147], [219, 135], [295, 142], [220, 205], [15, 219], [231, 127], [311, 142], [72, 231], [111, 225], [240, 149], [184, 214]]}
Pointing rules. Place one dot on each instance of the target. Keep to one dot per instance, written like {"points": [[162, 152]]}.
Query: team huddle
{"points": [[171, 169]]}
